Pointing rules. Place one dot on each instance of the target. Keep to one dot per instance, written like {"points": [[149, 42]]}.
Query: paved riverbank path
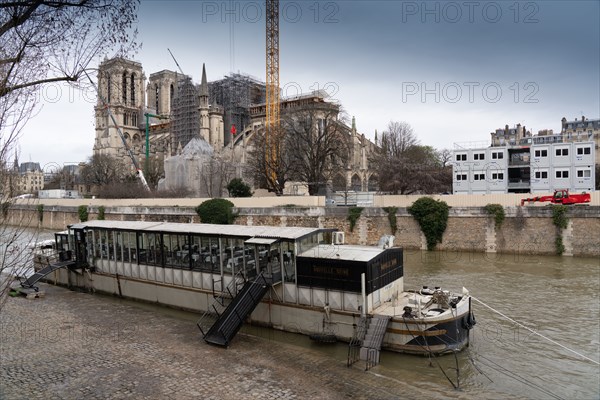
{"points": [[71, 345]]}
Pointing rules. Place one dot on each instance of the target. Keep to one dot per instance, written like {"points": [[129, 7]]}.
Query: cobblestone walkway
{"points": [[72, 345]]}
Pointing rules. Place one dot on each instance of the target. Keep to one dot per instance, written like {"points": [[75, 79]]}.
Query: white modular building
{"points": [[528, 168]]}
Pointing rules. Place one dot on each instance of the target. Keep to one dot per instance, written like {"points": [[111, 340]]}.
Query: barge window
{"points": [[289, 262], [177, 250], [308, 242], [103, 245], [119, 245], [150, 249], [96, 242], [206, 258], [129, 253], [237, 256]]}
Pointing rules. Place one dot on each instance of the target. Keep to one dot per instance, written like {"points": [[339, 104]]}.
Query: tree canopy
{"points": [[404, 166]]}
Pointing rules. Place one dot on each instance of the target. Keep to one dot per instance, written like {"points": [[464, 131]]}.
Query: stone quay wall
{"points": [[526, 230]]}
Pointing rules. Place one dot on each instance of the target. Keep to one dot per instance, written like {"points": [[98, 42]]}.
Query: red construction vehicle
{"points": [[561, 197]]}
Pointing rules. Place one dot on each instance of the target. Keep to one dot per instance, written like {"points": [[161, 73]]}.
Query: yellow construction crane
{"points": [[272, 122]]}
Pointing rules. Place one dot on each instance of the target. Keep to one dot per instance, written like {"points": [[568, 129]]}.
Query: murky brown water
{"points": [[556, 296]]}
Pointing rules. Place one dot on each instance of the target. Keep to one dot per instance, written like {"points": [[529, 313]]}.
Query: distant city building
{"points": [[581, 131], [518, 162], [30, 178]]}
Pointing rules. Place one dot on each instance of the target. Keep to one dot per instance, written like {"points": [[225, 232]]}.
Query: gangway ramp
{"points": [[231, 320], [35, 278]]}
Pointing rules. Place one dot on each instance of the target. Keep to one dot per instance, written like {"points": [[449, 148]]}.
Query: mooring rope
{"points": [[534, 332]]}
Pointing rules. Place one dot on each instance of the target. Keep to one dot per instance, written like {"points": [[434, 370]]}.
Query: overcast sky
{"points": [[455, 71]]}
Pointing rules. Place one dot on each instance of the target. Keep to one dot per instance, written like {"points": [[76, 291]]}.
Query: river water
{"points": [[558, 297], [555, 296]]}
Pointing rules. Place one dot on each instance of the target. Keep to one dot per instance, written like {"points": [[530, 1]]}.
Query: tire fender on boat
{"points": [[468, 321]]}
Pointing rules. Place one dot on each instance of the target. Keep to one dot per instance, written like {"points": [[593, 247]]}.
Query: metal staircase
{"points": [[371, 346], [232, 318], [35, 278]]}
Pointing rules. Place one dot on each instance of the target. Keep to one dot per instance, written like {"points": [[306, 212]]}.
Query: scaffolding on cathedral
{"points": [[236, 93], [185, 118]]}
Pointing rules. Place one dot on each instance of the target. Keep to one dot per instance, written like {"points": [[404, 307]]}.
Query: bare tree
{"points": [[312, 146], [103, 169], [155, 171], [215, 175], [404, 166], [317, 145], [45, 41], [445, 156], [270, 168]]}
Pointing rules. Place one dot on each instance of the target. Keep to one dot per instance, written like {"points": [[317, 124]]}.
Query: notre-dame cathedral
{"points": [[223, 113]]}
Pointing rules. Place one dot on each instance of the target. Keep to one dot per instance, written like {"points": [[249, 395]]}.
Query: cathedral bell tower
{"points": [[121, 85]]}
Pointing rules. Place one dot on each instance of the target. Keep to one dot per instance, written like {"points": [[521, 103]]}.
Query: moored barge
{"points": [[296, 279]]}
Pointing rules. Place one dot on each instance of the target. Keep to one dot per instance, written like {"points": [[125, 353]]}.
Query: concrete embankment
{"points": [[526, 230]]}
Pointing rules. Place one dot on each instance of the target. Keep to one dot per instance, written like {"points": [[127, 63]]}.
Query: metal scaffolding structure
{"points": [[235, 94], [185, 118]]}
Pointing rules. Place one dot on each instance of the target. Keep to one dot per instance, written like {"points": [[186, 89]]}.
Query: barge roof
{"points": [[249, 231], [343, 252]]}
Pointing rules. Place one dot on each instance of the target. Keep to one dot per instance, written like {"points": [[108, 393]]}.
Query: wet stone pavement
{"points": [[71, 345]]}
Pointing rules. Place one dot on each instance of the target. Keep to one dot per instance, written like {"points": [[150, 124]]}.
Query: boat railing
{"points": [[371, 358], [356, 341]]}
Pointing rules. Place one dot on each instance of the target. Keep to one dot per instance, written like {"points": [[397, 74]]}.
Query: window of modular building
{"points": [[561, 174], [584, 173], [497, 155], [541, 174], [541, 153], [562, 152], [479, 156], [584, 150], [461, 177], [498, 176], [479, 177], [461, 157]]}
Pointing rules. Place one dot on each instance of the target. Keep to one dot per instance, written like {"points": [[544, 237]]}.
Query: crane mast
{"points": [[272, 121]]}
